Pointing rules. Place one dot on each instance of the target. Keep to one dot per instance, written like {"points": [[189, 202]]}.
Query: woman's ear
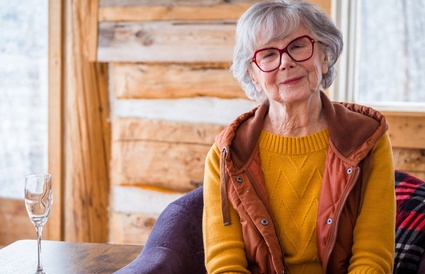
{"points": [[324, 63], [255, 81]]}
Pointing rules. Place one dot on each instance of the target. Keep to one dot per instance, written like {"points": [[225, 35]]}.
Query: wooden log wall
{"points": [[171, 93], [407, 133], [163, 57]]}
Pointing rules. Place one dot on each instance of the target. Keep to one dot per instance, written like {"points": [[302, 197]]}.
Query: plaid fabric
{"points": [[410, 223]]}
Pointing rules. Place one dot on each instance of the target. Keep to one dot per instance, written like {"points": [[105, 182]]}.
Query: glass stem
{"points": [[39, 230]]}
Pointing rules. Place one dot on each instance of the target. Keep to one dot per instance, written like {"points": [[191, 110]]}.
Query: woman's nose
{"points": [[286, 61]]}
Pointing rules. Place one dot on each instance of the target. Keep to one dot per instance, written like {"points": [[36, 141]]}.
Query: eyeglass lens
{"points": [[299, 50]]}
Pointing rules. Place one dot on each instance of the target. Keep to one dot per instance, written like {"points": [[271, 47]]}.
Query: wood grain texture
{"points": [[85, 135], [407, 130], [166, 41], [136, 129], [409, 160], [15, 223], [172, 166], [147, 13], [55, 154], [134, 3], [131, 228], [66, 257], [91, 20], [324, 4], [170, 81], [160, 153]]}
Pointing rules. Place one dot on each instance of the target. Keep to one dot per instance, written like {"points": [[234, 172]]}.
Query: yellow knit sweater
{"points": [[293, 169]]}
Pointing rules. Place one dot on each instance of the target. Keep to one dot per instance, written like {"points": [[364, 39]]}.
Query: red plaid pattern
{"points": [[410, 223]]}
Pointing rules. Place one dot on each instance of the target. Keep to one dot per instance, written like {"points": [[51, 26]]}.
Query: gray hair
{"points": [[270, 21]]}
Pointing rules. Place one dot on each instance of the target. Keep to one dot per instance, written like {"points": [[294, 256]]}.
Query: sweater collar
{"points": [[353, 130]]}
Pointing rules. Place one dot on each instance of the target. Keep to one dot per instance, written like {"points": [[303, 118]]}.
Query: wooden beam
{"points": [[168, 10], [135, 129], [166, 41], [131, 228], [54, 228], [163, 154], [149, 13], [92, 31], [15, 222], [85, 134], [135, 3], [409, 159], [170, 81], [407, 130]]}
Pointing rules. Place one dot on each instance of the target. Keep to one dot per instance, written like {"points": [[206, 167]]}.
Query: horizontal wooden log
{"points": [[209, 110], [148, 13], [409, 159], [131, 228], [15, 223], [135, 129], [174, 166], [134, 3], [407, 130], [162, 154], [166, 41], [324, 4], [156, 81]]}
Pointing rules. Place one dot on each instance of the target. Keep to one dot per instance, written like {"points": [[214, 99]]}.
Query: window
{"points": [[383, 64], [23, 92]]}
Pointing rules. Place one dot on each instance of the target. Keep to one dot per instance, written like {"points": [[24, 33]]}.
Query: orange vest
{"points": [[353, 132]]}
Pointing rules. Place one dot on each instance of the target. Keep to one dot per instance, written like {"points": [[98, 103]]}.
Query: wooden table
{"points": [[65, 257]]}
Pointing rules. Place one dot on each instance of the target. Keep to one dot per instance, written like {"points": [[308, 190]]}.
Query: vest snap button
{"points": [[329, 221], [239, 179], [264, 222], [350, 170]]}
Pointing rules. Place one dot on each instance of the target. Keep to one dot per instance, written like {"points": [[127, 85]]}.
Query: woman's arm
{"points": [[224, 246], [374, 233]]}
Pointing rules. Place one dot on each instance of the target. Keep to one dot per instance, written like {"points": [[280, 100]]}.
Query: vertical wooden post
{"points": [[79, 133], [54, 225]]}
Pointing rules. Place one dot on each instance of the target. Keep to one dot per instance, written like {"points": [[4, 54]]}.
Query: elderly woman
{"points": [[299, 184]]}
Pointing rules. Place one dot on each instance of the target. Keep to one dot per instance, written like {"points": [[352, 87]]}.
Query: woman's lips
{"points": [[292, 81]]}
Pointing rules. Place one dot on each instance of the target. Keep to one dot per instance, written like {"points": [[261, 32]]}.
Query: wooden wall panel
{"points": [[407, 130], [170, 81], [86, 131], [409, 159], [15, 223], [134, 3], [163, 154], [146, 13], [134, 129], [176, 166], [55, 115], [166, 41], [407, 133], [140, 10], [131, 228]]}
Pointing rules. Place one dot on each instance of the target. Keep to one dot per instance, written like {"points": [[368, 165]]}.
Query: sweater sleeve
{"points": [[224, 246], [374, 233]]}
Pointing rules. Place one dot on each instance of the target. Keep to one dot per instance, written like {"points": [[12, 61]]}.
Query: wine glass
{"points": [[38, 201]]}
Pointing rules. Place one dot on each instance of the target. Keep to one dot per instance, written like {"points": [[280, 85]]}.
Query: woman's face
{"points": [[292, 81]]}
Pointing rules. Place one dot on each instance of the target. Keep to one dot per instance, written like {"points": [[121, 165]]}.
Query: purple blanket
{"points": [[181, 250]]}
